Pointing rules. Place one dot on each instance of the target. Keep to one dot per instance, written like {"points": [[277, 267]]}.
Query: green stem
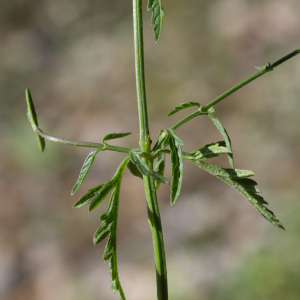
{"points": [[145, 143], [81, 144], [263, 71]]}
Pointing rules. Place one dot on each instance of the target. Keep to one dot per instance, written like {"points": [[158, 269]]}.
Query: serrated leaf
{"points": [[102, 232], [157, 17], [134, 170], [109, 185], [88, 197], [208, 151], [225, 135], [183, 106], [32, 117], [256, 200], [85, 169], [112, 136], [177, 165]]}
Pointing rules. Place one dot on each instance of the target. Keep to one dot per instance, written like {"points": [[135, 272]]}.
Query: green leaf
{"points": [[134, 170], [32, 117], [109, 185], [177, 165], [208, 151], [102, 232], [225, 136], [110, 247], [243, 186], [85, 169], [112, 136], [157, 17], [88, 197], [112, 208], [162, 141], [143, 167], [115, 282], [160, 163], [183, 106], [110, 251]]}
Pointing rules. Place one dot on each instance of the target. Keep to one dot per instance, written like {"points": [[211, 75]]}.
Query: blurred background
{"points": [[77, 59]]}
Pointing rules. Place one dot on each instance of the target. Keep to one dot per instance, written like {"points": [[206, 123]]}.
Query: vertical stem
{"points": [[145, 143]]}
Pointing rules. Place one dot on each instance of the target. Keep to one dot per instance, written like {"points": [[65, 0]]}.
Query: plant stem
{"points": [[263, 71], [145, 143], [80, 143]]}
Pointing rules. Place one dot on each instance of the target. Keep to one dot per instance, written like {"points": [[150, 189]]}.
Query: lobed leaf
{"points": [[112, 136], [88, 197], [102, 193], [177, 165], [225, 135], [243, 186], [183, 106], [32, 117], [157, 17], [208, 151], [85, 169], [102, 232]]}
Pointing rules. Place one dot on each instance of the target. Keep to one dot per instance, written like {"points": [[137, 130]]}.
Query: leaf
{"points": [[157, 17], [162, 141], [110, 251], [32, 117], [225, 136], [143, 167], [109, 185], [85, 169], [88, 197], [208, 151], [134, 170], [109, 248], [183, 106], [112, 136], [112, 208], [102, 232], [160, 163], [177, 165], [243, 186], [159, 178], [102, 193]]}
